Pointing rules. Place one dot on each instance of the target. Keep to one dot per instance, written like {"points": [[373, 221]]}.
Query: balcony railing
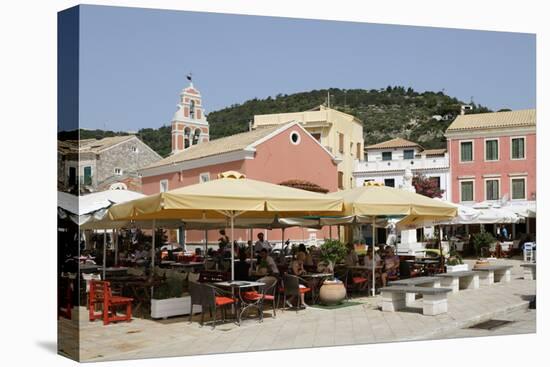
{"points": [[401, 164]]}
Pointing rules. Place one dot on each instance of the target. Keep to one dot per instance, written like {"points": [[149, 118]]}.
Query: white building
{"points": [[386, 163]]}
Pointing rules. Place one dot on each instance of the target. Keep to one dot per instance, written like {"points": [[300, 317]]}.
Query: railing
{"points": [[401, 164]]}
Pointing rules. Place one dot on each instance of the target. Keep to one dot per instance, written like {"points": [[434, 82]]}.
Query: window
{"points": [[134, 149], [196, 136], [341, 142], [192, 109], [118, 171], [491, 150], [204, 177], [340, 180], [492, 190], [317, 136], [467, 191], [358, 151], [466, 151], [87, 175], [72, 176], [163, 185], [518, 148], [518, 188], [389, 182], [386, 156], [408, 154], [295, 138]]}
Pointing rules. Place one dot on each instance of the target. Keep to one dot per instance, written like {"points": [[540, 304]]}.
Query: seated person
{"points": [[351, 258], [242, 268], [297, 268], [391, 265], [267, 262], [369, 261], [297, 265]]}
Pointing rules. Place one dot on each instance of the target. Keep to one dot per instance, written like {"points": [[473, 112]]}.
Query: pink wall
{"points": [[276, 160], [503, 167]]}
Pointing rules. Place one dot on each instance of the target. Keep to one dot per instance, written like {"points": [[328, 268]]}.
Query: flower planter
{"points": [[332, 293], [453, 268], [163, 308]]}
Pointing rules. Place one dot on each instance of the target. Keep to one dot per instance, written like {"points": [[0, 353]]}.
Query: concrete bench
{"points": [[434, 300], [460, 280], [494, 273], [414, 282], [529, 271]]}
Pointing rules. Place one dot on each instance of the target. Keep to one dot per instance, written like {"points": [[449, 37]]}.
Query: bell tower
{"points": [[189, 124]]}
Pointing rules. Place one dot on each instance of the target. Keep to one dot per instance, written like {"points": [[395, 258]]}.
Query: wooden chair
{"points": [[101, 295]]}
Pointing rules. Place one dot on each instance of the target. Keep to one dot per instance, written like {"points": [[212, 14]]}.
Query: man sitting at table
{"points": [[391, 265], [242, 268], [268, 262], [261, 244]]}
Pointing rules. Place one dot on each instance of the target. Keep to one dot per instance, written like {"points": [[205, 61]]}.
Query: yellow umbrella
{"points": [[231, 195], [375, 199]]}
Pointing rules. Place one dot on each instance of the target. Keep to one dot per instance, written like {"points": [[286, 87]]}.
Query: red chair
{"points": [[266, 293], [101, 295]]}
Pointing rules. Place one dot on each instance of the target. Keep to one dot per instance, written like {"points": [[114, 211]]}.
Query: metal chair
{"points": [[528, 252]]}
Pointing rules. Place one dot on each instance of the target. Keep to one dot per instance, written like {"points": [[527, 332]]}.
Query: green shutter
{"points": [[491, 150], [467, 191], [518, 148], [491, 190], [518, 188], [466, 151]]}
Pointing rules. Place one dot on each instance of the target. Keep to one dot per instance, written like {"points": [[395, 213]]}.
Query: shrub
{"points": [[482, 240], [333, 251]]}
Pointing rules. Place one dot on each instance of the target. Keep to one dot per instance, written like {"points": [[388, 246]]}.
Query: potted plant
{"points": [[171, 298], [332, 252], [482, 240]]}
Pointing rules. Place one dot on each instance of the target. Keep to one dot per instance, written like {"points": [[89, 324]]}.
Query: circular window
{"points": [[295, 138]]}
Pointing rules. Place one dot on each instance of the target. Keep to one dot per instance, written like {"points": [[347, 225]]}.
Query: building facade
{"points": [[387, 161], [262, 154], [189, 124], [493, 157], [340, 133], [95, 164]]}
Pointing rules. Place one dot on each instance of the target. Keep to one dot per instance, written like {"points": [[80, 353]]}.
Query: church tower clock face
{"points": [[189, 124]]}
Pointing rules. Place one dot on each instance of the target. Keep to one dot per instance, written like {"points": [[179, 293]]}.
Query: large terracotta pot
{"points": [[332, 293]]}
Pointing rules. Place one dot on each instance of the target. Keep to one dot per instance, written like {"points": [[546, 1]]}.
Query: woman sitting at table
{"points": [[369, 264], [391, 265]]}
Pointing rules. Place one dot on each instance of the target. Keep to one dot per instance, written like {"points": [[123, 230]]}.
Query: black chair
{"points": [[291, 288], [213, 298], [196, 296]]}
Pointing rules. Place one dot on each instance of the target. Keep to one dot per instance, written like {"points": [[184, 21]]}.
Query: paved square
{"points": [[313, 327]]}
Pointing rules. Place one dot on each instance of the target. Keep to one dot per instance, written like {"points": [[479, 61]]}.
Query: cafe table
{"points": [[243, 304], [315, 281], [187, 266]]}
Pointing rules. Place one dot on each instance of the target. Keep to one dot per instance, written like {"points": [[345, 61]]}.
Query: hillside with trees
{"points": [[385, 113]]}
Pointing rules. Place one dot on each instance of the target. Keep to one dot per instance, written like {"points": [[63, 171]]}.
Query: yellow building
{"points": [[340, 133]]}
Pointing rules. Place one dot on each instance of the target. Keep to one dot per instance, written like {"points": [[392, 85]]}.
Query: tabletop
{"points": [[316, 275], [239, 284]]}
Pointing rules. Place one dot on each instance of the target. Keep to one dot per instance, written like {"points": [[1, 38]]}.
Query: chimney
{"points": [[465, 108]]}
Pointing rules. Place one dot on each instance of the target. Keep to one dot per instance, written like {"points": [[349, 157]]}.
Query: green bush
{"points": [[333, 251]]}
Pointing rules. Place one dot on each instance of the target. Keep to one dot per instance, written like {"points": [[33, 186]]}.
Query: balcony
{"points": [[401, 164]]}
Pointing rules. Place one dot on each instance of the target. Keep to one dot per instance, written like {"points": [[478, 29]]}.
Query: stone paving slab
{"points": [[359, 324]]}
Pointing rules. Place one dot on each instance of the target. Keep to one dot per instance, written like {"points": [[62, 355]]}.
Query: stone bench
{"points": [[460, 280], [494, 273], [529, 271], [414, 282], [434, 300]]}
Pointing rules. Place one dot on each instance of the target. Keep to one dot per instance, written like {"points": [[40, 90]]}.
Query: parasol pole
{"points": [[373, 256], [441, 258], [104, 251], [205, 243], [232, 216], [115, 234], [153, 257]]}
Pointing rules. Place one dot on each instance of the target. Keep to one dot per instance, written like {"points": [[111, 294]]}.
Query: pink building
{"points": [[492, 159], [272, 154]]}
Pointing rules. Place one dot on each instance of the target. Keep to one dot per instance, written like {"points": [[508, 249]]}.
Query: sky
{"points": [[133, 62]]}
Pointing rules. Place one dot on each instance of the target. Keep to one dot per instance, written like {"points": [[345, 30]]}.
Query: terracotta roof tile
{"points": [[494, 120], [394, 143]]}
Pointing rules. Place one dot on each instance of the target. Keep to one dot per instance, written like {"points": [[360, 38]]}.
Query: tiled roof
{"points": [[218, 146], [97, 145], [435, 151], [494, 120], [394, 143]]}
